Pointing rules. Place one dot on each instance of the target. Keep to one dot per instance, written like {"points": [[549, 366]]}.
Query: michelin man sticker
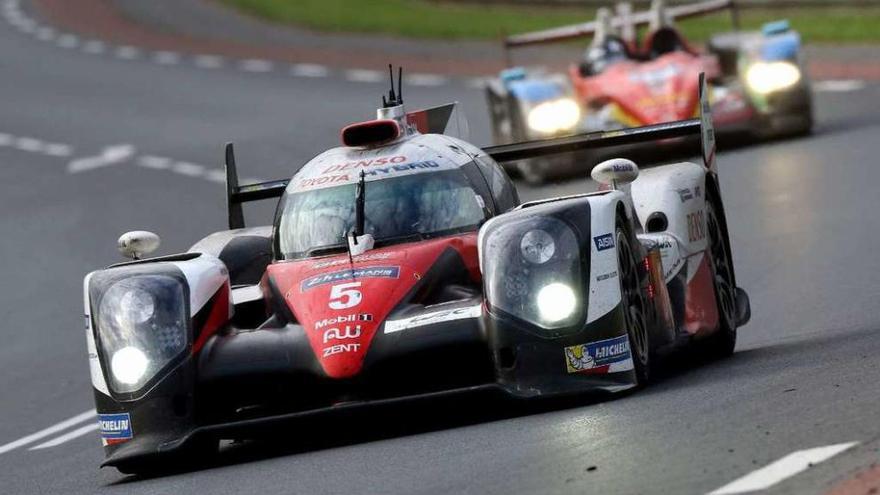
{"points": [[605, 356]]}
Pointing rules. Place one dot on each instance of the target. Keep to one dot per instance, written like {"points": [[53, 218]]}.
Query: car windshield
{"points": [[399, 209]]}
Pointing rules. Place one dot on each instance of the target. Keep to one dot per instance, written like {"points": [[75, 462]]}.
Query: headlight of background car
{"points": [[767, 77], [533, 271], [141, 324], [555, 116]]}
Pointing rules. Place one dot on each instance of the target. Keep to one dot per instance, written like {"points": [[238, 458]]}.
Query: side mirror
{"points": [[615, 172], [137, 243]]}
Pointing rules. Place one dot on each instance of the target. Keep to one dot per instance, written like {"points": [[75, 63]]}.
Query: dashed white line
{"points": [[66, 437], [58, 149], [784, 468], [5, 139], [155, 162], [29, 144], [208, 61], [111, 155], [190, 169], [477, 83], [94, 47], [309, 70], [45, 33], [166, 58], [127, 52], [426, 80], [68, 41], [256, 65], [839, 85], [216, 175], [367, 76], [33, 437]]}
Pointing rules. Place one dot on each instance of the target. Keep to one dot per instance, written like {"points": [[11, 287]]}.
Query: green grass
{"points": [[430, 19]]}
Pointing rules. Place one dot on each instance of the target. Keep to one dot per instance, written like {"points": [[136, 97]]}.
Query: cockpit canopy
{"points": [[425, 187]]}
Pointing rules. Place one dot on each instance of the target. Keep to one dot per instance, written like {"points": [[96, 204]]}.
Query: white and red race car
{"points": [[403, 266]]}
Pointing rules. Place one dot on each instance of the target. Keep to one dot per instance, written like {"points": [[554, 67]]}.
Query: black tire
{"points": [[634, 306], [722, 343]]}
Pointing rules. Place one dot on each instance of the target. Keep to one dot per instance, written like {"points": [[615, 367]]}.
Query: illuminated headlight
{"points": [[129, 365], [554, 116], [533, 272], [556, 302], [141, 325], [767, 77], [537, 246]]}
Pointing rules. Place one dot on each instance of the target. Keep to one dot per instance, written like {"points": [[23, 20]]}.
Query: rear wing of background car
{"points": [[236, 195], [625, 20]]}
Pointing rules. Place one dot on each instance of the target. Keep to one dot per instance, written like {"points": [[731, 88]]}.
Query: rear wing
{"points": [[237, 195], [625, 21]]}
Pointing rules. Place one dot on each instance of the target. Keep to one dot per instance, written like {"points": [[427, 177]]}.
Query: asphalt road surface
{"points": [[92, 145]]}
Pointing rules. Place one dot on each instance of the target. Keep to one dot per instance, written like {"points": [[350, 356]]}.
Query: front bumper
{"points": [[260, 382]]}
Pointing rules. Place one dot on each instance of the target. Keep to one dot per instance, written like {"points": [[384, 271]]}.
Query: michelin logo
{"points": [[368, 272], [605, 356], [115, 427]]}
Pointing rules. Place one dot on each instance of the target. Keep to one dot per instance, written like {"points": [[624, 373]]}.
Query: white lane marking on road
{"points": [[29, 144], [309, 70], [5, 139], [58, 149], [155, 162], [45, 33], [68, 41], [367, 76], [94, 47], [477, 82], [126, 52], [784, 468], [426, 80], [216, 175], [33, 437], [109, 156], [839, 85], [66, 437], [190, 169], [209, 61], [166, 58], [256, 65]]}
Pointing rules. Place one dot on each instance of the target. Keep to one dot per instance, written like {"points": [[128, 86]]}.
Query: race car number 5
{"points": [[344, 296]]}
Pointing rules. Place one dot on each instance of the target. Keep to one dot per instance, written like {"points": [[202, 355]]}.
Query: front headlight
{"points": [[141, 327], [767, 77], [555, 116], [532, 271]]}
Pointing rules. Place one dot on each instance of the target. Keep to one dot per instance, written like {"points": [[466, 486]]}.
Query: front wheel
{"points": [[634, 308]]}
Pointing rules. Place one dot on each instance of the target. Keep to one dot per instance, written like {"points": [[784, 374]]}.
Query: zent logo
{"points": [[344, 296]]}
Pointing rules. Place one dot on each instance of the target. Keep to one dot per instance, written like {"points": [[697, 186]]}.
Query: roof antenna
{"points": [[394, 99]]}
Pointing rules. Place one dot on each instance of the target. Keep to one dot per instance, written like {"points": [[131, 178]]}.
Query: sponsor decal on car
{"points": [[115, 428], [340, 348], [361, 164], [696, 225], [336, 320], [392, 326], [357, 259], [366, 272], [606, 276], [685, 194], [348, 332], [603, 242], [604, 356]]}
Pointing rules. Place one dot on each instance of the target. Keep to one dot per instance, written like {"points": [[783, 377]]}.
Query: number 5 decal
{"points": [[344, 296]]}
